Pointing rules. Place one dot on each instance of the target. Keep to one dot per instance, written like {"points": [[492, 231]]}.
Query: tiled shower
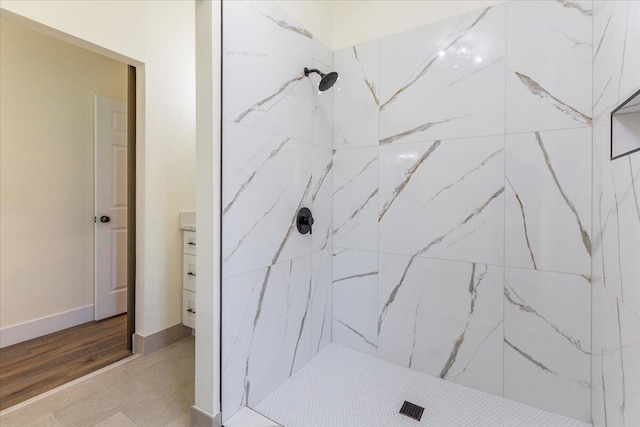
{"points": [[468, 221]]}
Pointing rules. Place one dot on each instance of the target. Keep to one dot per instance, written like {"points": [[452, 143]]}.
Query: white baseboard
{"points": [[45, 325]]}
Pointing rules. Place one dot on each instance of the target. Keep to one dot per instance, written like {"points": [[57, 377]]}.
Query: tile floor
{"points": [[153, 391], [342, 387], [335, 389]]}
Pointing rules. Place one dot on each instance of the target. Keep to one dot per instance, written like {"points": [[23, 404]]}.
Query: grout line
{"points": [[377, 309], [591, 294], [504, 205], [463, 138]]}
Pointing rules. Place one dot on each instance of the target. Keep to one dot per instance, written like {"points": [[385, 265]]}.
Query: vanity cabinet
{"points": [[189, 279]]}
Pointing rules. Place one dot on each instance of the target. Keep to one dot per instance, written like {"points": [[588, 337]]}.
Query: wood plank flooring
{"points": [[41, 364]]}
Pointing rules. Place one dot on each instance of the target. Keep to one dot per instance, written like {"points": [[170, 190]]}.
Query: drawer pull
{"points": [[191, 274], [191, 243], [191, 310]]}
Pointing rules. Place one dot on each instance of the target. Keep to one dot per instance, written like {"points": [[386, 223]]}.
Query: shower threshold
{"points": [[342, 387]]}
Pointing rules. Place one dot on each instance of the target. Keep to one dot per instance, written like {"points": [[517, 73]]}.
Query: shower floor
{"points": [[342, 387]]}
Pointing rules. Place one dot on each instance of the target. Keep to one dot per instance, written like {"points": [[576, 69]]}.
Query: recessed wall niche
{"points": [[625, 127]]}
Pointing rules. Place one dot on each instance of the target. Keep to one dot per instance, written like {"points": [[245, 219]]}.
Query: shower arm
{"points": [[313, 70]]}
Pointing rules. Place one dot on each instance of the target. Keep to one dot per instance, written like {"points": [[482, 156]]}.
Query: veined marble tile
{"points": [[443, 199], [322, 133], [616, 218], [548, 220], [616, 361], [322, 54], [262, 28], [267, 178], [547, 343], [445, 80], [321, 268], [355, 198], [267, 330], [355, 299], [548, 65], [265, 53], [443, 318], [321, 197], [356, 96], [616, 53]]}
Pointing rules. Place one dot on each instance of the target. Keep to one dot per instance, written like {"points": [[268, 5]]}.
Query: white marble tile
{"points": [[321, 309], [321, 198], [443, 199], [616, 361], [356, 96], [266, 179], [267, 331], [443, 318], [355, 198], [616, 218], [265, 52], [616, 53], [547, 341], [322, 132], [444, 80], [322, 54], [548, 65], [355, 299], [548, 214], [322, 118]]}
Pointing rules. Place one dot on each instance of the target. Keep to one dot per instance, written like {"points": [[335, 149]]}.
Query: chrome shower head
{"points": [[327, 80]]}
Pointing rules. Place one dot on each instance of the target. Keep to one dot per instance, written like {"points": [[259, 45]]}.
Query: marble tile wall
{"points": [[462, 232], [616, 222], [277, 157], [450, 174]]}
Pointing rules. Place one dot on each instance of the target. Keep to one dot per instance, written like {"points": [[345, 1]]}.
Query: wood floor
{"points": [[33, 367]]}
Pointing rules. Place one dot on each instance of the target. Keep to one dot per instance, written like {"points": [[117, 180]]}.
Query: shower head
{"points": [[327, 80]]}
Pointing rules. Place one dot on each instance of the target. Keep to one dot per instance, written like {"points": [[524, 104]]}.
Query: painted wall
{"points": [[208, 201], [47, 172], [276, 159], [159, 38], [462, 177], [616, 221]]}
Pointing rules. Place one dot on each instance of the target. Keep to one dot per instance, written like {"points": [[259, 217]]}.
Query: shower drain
{"points": [[412, 410]]}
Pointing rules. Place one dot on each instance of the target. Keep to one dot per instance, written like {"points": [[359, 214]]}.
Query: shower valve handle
{"points": [[305, 221]]}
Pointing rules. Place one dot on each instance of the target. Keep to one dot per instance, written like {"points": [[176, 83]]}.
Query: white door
{"points": [[111, 207]]}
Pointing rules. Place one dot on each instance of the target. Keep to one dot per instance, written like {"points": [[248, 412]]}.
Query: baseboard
{"points": [[45, 325], [151, 343], [200, 418]]}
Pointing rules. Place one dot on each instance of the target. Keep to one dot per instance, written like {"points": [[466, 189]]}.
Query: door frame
{"points": [[131, 205], [135, 92]]}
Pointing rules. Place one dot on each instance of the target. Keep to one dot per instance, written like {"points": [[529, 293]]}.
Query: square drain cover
{"points": [[412, 410]]}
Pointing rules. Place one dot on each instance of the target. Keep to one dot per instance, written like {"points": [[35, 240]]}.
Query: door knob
{"points": [[305, 221], [104, 219]]}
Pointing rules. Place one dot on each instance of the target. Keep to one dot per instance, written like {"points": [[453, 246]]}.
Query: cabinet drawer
{"points": [[189, 243], [189, 309], [189, 272]]}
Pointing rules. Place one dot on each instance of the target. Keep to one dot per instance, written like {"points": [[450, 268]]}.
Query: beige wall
{"points": [[159, 38], [344, 23], [47, 171]]}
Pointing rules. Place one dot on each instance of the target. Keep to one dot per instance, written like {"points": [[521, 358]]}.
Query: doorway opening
{"points": [[67, 278]]}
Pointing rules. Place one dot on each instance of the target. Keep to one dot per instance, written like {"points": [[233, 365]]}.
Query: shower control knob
{"points": [[305, 221]]}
